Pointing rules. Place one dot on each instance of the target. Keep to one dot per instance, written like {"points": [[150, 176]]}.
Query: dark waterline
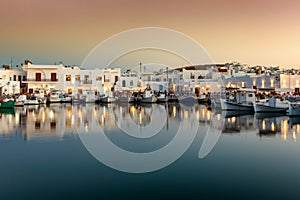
{"points": [[42, 157]]}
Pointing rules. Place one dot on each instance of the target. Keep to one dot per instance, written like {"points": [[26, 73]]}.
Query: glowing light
{"points": [[132, 110], [186, 114], [140, 118], [174, 111], [233, 119], [208, 115], [294, 136], [284, 129], [51, 114], [264, 125], [198, 114], [272, 127]]}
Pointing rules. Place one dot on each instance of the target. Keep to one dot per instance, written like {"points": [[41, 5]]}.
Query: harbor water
{"points": [[44, 154]]}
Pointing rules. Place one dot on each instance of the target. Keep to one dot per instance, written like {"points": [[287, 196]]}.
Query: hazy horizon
{"points": [[250, 32]]}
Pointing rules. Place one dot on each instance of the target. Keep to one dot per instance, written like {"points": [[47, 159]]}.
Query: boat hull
{"points": [[152, 99], [108, 100], [162, 100], [294, 109], [268, 109], [7, 105], [235, 106]]}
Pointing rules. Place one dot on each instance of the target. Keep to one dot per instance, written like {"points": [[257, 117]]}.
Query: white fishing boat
{"points": [[89, 96], [271, 105], [243, 100], [78, 98], [126, 97], [148, 96], [33, 100], [187, 99], [162, 98], [20, 101], [55, 97], [108, 98], [294, 109]]}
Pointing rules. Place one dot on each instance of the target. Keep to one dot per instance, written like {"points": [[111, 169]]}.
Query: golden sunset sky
{"points": [[263, 32]]}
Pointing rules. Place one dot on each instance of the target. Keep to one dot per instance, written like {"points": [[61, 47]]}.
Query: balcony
{"points": [[27, 80]]}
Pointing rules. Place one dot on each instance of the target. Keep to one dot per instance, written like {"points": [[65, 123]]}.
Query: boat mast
{"points": [[167, 81], [140, 70]]}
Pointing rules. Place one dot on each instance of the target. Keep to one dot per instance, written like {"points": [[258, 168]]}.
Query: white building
{"points": [[11, 80], [70, 79]]}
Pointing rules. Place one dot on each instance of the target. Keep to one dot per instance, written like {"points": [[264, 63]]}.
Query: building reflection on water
{"points": [[61, 120]]}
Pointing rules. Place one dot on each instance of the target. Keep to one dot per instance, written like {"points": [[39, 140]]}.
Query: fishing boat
{"points": [[172, 98], [126, 97], [271, 105], [108, 98], [55, 97], [243, 100], [204, 99], [20, 101], [33, 100], [294, 109], [89, 96], [7, 104], [77, 99], [148, 96], [187, 99], [162, 98]]}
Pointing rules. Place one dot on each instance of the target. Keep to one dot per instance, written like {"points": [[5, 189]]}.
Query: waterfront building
{"points": [[69, 79], [11, 80]]}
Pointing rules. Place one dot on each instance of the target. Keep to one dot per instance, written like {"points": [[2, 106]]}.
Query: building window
{"points": [[38, 76], [99, 78], [19, 78], [77, 77], [123, 83], [131, 83], [68, 77], [15, 77], [53, 76], [116, 79]]}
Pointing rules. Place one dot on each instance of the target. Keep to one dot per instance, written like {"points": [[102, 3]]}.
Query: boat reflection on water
{"points": [[62, 120], [237, 122]]}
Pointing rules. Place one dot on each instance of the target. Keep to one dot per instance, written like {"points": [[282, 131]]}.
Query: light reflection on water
{"points": [[61, 120]]}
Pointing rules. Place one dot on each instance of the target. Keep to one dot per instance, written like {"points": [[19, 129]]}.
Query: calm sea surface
{"points": [[44, 153]]}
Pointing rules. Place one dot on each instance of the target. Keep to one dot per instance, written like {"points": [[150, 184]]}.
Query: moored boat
{"points": [[187, 99], [108, 98], [7, 104], [148, 96], [294, 109], [243, 100], [162, 98], [271, 105], [204, 99]]}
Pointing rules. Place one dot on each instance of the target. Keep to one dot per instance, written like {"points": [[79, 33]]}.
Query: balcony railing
{"points": [[41, 80]]}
